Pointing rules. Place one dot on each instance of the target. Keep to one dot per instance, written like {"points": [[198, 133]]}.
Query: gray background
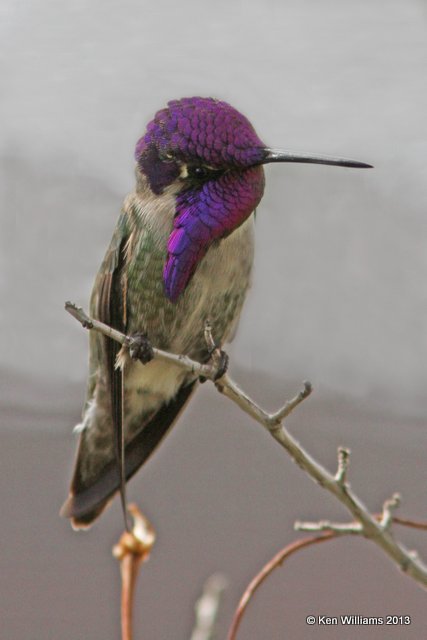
{"points": [[339, 297]]}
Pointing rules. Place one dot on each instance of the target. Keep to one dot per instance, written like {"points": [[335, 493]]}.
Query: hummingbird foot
{"points": [[221, 363], [140, 348], [220, 360]]}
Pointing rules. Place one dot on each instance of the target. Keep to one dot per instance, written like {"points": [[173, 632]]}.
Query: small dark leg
{"points": [[221, 360], [222, 364], [140, 348]]}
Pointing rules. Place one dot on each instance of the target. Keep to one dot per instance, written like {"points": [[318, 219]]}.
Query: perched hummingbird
{"points": [[181, 253]]}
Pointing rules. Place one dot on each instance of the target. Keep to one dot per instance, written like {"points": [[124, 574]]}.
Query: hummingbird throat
{"points": [[205, 215]]}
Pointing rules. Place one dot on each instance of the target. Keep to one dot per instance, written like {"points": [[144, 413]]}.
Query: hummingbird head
{"points": [[211, 156]]}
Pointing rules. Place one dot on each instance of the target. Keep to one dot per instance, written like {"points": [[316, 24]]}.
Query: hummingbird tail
{"points": [[90, 494]]}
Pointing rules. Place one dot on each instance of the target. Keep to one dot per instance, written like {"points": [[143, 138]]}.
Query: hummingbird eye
{"points": [[201, 172]]}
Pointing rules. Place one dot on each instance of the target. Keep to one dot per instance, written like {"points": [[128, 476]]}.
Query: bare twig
{"points": [[91, 323], [205, 370], [343, 462], [389, 507], [384, 519], [132, 549], [273, 423], [275, 562], [405, 522], [355, 528], [340, 529], [327, 531], [207, 607]]}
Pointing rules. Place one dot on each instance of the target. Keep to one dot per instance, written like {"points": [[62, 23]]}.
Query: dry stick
{"points": [[330, 531], [278, 559], [378, 532], [410, 523], [205, 370], [132, 549]]}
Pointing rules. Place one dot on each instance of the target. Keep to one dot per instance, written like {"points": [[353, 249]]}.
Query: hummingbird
{"points": [[181, 254]]}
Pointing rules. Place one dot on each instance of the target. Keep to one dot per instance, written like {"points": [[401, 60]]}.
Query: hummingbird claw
{"points": [[222, 364], [140, 348], [220, 360]]}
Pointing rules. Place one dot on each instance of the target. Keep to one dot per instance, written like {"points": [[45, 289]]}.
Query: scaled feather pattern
{"points": [[204, 216], [208, 133]]}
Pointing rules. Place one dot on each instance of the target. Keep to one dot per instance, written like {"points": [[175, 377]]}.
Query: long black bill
{"points": [[278, 155]]}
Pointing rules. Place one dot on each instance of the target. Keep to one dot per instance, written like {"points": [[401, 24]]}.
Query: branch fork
{"points": [[366, 524]]}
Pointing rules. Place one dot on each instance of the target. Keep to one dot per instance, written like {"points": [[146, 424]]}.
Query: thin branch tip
{"points": [[343, 464], [79, 314], [274, 420], [308, 388], [389, 507]]}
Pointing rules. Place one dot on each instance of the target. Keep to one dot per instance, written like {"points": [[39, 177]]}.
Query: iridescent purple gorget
{"points": [[217, 154]]}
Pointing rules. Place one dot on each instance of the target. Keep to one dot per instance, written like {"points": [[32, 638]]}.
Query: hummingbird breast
{"points": [[216, 291]]}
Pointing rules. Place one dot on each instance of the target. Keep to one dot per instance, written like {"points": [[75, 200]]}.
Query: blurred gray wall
{"points": [[339, 291], [339, 297]]}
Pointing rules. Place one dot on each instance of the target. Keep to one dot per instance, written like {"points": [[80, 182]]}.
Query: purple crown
{"points": [[204, 129]]}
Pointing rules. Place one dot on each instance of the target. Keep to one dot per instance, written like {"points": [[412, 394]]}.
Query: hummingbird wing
{"points": [[112, 311], [89, 496], [98, 473]]}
